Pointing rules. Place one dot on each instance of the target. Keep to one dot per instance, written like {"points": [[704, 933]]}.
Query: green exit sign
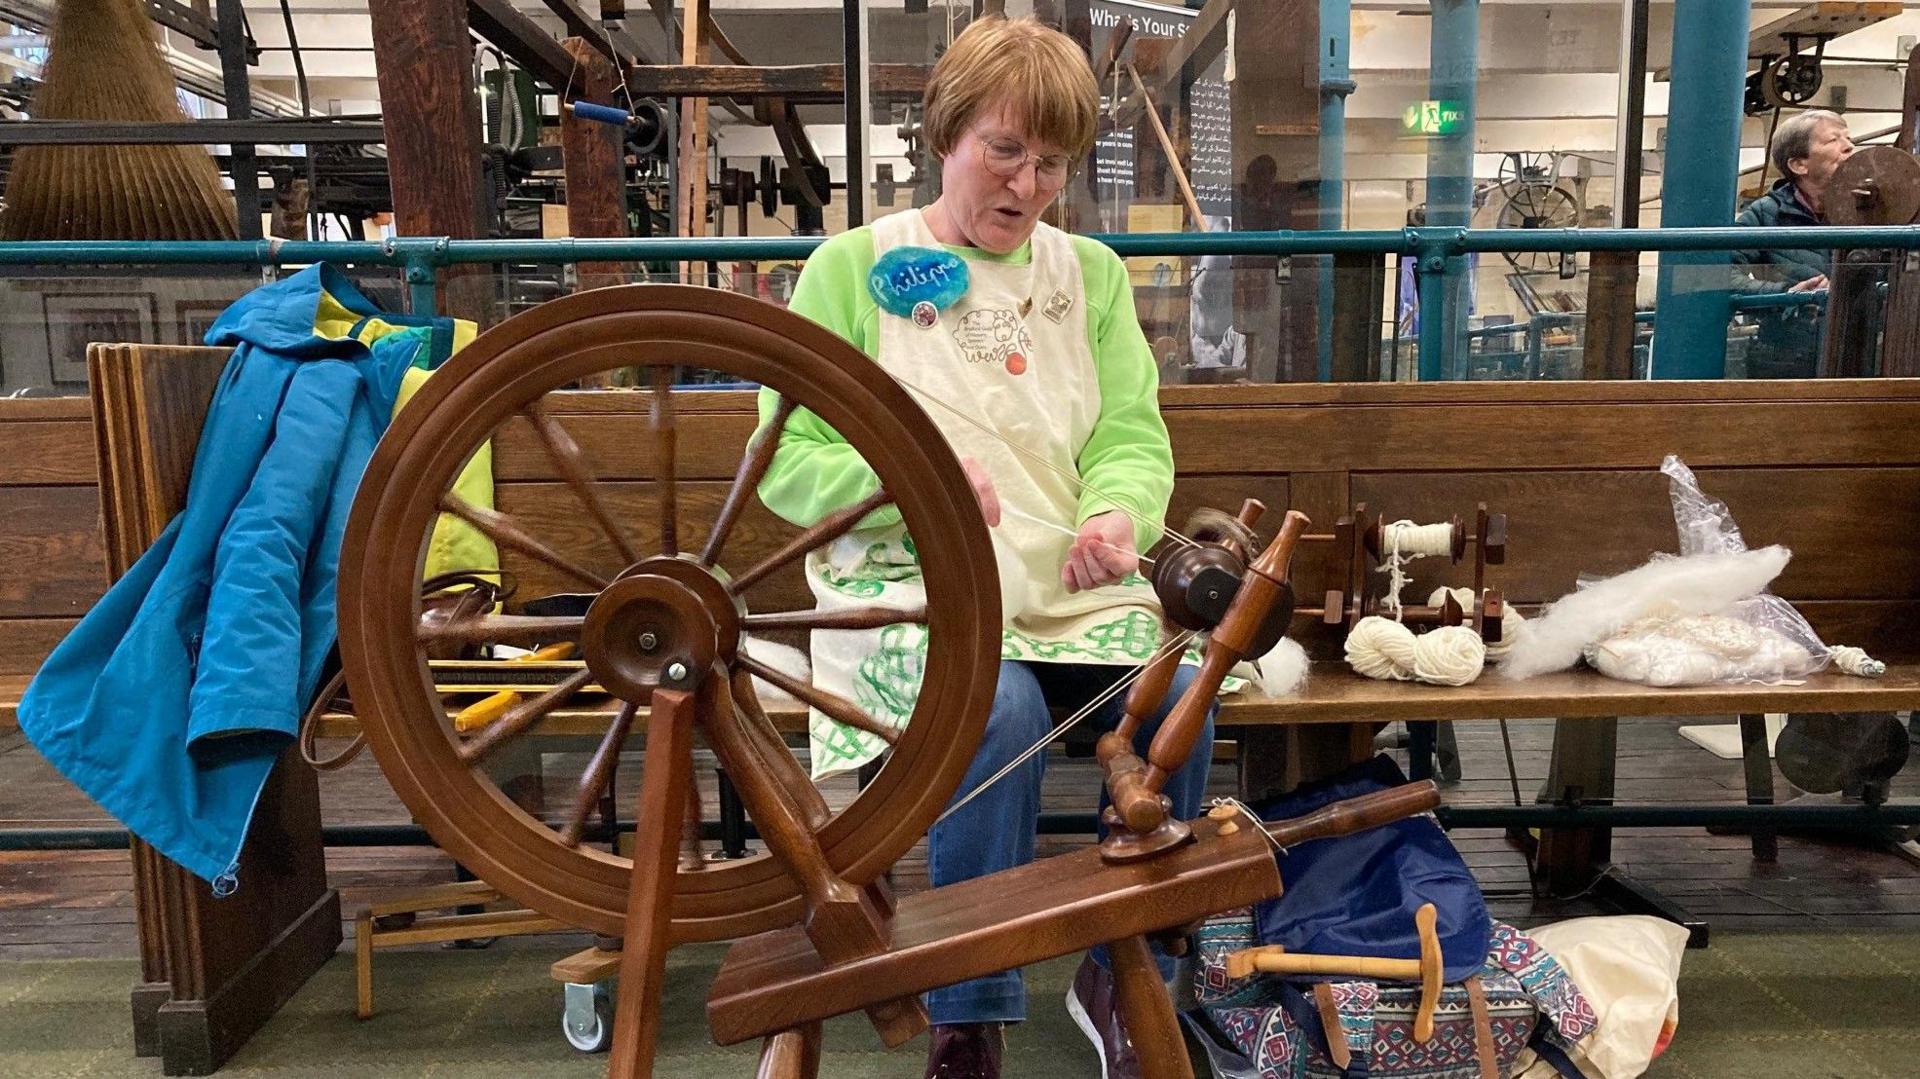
{"points": [[1433, 118]]}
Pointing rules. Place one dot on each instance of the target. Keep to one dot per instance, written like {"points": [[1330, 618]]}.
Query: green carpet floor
{"points": [[1800, 1005]]}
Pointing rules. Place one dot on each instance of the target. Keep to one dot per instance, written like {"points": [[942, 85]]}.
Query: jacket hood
{"points": [[312, 315]]}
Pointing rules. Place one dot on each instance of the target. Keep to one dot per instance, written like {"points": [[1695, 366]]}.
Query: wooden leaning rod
{"points": [[1426, 970], [819, 932]]}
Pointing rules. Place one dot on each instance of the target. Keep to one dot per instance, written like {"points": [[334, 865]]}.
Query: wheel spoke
{"points": [[663, 440], [824, 531], [835, 707], [593, 782], [573, 465], [753, 466], [773, 751], [849, 618], [504, 531], [521, 717], [504, 629]]}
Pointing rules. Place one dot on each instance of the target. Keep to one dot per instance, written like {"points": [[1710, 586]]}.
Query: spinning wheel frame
{"points": [[510, 369]]}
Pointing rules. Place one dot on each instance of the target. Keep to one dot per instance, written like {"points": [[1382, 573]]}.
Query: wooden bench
{"points": [[1823, 467]]}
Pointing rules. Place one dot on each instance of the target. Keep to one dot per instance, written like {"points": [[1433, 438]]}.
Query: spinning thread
{"points": [[1063, 530], [1176, 644], [1405, 541]]}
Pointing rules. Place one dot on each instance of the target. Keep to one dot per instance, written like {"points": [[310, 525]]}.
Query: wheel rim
{"points": [[492, 380]]}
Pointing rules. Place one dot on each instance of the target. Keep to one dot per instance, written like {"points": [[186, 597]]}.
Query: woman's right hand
{"points": [[982, 490]]}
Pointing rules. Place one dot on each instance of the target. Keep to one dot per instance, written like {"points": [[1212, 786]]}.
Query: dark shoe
{"points": [[966, 1051], [1095, 1008]]}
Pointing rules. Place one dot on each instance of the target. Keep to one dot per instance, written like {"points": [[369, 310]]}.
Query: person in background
{"points": [[1806, 150], [981, 309]]}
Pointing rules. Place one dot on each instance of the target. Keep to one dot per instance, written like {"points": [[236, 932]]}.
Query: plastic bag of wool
{"points": [[1703, 616]]}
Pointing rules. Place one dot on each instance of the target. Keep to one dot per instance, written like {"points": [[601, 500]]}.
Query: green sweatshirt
{"points": [[1127, 456]]}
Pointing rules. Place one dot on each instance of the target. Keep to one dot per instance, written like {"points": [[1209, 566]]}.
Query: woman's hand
{"points": [[1811, 284], [982, 490], [1101, 554]]}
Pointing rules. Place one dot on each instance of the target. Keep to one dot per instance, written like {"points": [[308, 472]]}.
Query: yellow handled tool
{"points": [[484, 711]]}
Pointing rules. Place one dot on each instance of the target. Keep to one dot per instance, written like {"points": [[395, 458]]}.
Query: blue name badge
{"points": [[907, 277]]}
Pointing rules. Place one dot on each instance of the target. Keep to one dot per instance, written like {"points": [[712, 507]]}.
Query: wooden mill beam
{"points": [[800, 83], [521, 39], [424, 56]]}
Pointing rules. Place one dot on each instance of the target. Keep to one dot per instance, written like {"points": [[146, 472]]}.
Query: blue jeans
{"points": [[996, 831]]}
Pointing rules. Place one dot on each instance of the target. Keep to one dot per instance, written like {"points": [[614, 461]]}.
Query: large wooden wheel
{"points": [[666, 616]]}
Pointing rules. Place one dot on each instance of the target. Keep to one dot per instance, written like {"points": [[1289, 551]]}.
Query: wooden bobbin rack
{"points": [[1359, 550]]}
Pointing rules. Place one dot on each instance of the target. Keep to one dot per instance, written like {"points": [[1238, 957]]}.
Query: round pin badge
{"points": [[925, 315], [906, 277]]}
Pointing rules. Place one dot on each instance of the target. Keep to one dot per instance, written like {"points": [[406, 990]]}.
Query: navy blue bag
{"points": [[1357, 894]]}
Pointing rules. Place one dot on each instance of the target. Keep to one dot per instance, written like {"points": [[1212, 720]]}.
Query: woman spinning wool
{"points": [[998, 323]]}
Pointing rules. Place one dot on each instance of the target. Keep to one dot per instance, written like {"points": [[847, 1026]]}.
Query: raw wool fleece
{"points": [[1667, 587]]}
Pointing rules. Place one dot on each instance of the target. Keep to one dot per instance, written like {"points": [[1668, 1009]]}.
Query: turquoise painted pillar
{"points": [[1336, 82], [1698, 184], [1454, 71]]}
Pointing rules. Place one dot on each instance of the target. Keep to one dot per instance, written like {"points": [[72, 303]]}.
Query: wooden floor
{"points": [[80, 903]]}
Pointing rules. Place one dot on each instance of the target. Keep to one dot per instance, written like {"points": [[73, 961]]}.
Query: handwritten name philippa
{"points": [[912, 276]]}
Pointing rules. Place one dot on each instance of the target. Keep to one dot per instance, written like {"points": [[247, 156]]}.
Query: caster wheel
{"points": [[587, 1021]]}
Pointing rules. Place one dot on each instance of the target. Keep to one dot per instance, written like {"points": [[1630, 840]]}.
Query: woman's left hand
{"points": [[1101, 554]]}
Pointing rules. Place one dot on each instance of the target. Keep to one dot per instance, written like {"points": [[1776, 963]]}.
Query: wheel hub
{"points": [[663, 623]]}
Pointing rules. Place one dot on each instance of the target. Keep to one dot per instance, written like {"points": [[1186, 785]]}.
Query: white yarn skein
{"points": [[1509, 620], [1856, 662], [1384, 649]]}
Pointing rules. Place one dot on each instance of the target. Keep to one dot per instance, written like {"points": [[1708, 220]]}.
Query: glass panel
{"points": [[48, 315]]}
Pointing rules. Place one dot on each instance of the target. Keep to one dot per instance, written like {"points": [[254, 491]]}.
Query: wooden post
{"points": [[595, 157], [1276, 163], [665, 777], [1613, 277], [424, 57], [212, 970], [692, 158], [1359, 286]]}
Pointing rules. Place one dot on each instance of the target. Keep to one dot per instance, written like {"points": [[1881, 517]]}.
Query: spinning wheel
{"points": [[666, 631], [661, 617]]}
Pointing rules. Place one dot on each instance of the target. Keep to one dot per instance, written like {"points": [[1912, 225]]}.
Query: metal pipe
{"points": [[1443, 284], [1336, 82], [1440, 242], [231, 26], [1703, 158]]}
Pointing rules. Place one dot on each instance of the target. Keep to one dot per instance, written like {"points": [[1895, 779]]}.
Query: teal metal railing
{"points": [[422, 259]]}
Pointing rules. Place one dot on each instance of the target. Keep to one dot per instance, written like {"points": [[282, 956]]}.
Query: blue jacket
{"points": [[170, 701]]}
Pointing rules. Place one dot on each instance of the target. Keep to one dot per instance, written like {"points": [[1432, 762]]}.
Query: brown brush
{"points": [[103, 65]]}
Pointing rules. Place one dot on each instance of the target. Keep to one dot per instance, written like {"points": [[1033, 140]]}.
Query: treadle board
{"points": [[1048, 908]]}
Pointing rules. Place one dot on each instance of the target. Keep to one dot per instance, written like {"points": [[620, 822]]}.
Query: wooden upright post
{"points": [[666, 775], [1276, 165], [595, 155], [692, 157], [212, 970], [424, 57], [1613, 277]]}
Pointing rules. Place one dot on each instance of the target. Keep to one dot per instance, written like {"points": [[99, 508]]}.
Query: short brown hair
{"points": [[1037, 71]]}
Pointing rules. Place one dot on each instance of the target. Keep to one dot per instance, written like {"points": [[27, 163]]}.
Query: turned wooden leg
{"points": [[363, 965], [792, 1054], [665, 778], [1148, 1011]]}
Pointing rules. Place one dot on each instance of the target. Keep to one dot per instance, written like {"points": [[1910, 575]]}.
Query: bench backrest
{"points": [[1829, 468]]}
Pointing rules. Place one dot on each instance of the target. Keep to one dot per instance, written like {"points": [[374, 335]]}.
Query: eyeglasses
{"points": [[1005, 158]]}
